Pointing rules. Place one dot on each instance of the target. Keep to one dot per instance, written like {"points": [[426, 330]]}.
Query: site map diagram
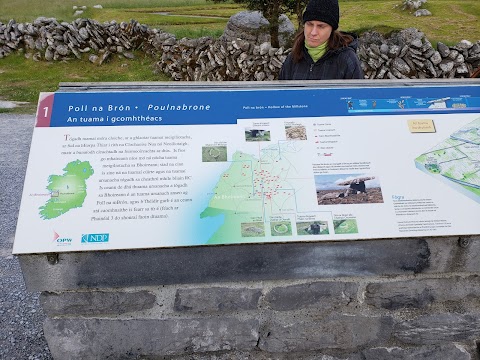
{"points": [[457, 159], [255, 190]]}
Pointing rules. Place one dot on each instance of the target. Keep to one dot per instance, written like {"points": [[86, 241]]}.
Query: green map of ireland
{"points": [[67, 191]]}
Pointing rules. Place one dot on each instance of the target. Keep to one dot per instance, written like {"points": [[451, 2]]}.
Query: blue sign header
{"points": [[226, 106]]}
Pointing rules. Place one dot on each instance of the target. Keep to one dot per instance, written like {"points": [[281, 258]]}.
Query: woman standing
{"points": [[320, 51]]}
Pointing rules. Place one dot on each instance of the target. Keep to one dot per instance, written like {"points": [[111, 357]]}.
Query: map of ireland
{"points": [[67, 191]]}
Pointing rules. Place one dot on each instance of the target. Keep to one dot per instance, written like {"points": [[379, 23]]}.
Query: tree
{"points": [[296, 7], [271, 10]]}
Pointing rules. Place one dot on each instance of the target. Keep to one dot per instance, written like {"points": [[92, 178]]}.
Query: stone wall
{"points": [[363, 300], [407, 54]]}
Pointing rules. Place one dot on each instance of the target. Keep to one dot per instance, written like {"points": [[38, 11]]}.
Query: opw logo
{"points": [[95, 238], [61, 240]]}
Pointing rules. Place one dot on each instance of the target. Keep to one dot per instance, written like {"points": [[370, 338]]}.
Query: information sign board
{"points": [[132, 169]]}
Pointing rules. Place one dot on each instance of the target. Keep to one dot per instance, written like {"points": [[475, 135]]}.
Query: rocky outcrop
{"points": [[253, 27], [413, 4], [406, 54]]}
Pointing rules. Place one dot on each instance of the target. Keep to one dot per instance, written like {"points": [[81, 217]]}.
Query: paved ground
{"points": [[21, 318]]}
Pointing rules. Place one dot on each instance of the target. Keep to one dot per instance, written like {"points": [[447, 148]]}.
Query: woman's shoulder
{"points": [[345, 52]]}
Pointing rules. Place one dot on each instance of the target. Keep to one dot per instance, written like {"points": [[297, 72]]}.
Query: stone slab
{"points": [[93, 303], [333, 332], [251, 262], [119, 339], [444, 352], [422, 293], [316, 295], [213, 299], [439, 329]]}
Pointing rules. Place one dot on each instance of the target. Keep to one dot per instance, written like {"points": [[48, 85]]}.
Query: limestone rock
{"points": [[422, 12], [253, 27]]}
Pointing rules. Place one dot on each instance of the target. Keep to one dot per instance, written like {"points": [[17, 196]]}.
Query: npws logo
{"points": [[95, 238], [61, 241]]}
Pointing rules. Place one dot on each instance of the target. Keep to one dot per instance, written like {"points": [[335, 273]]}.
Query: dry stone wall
{"points": [[50, 40], [409, 54], [406, 54], [206, 59]]}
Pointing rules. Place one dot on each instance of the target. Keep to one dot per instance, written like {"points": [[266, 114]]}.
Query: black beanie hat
{"points": [[326, 11]]}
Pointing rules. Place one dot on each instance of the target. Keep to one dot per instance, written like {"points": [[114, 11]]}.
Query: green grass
{"points": [[140, 10], [156, 20], [451, 21], [26, 10], [22, 80]]}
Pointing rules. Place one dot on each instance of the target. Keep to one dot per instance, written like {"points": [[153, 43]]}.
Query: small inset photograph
{"points": [[346, 226], [312, 228], [296, 132], [281, 228], [214, 153], [348, 189], [257, 135], [253, 229]]}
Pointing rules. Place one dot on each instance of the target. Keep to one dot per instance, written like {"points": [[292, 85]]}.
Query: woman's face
{"points": [[316, 32]]}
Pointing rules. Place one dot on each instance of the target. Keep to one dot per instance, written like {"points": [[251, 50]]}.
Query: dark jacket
{"points": [[341, 63]]}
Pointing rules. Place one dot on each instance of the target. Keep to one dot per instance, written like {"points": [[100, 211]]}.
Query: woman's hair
{"points": [[336, 40]]}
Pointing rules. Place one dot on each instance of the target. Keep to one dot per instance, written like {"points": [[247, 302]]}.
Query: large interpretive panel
{"points": [[132, 169]]}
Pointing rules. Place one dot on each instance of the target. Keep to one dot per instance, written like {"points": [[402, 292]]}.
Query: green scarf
{"points": [[317, 52]]}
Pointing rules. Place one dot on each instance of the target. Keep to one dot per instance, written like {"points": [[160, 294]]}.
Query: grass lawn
{"points": [[22, 80], [451, 22]]}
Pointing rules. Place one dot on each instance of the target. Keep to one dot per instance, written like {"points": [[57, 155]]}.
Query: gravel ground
{"points": [[21, 317]]}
